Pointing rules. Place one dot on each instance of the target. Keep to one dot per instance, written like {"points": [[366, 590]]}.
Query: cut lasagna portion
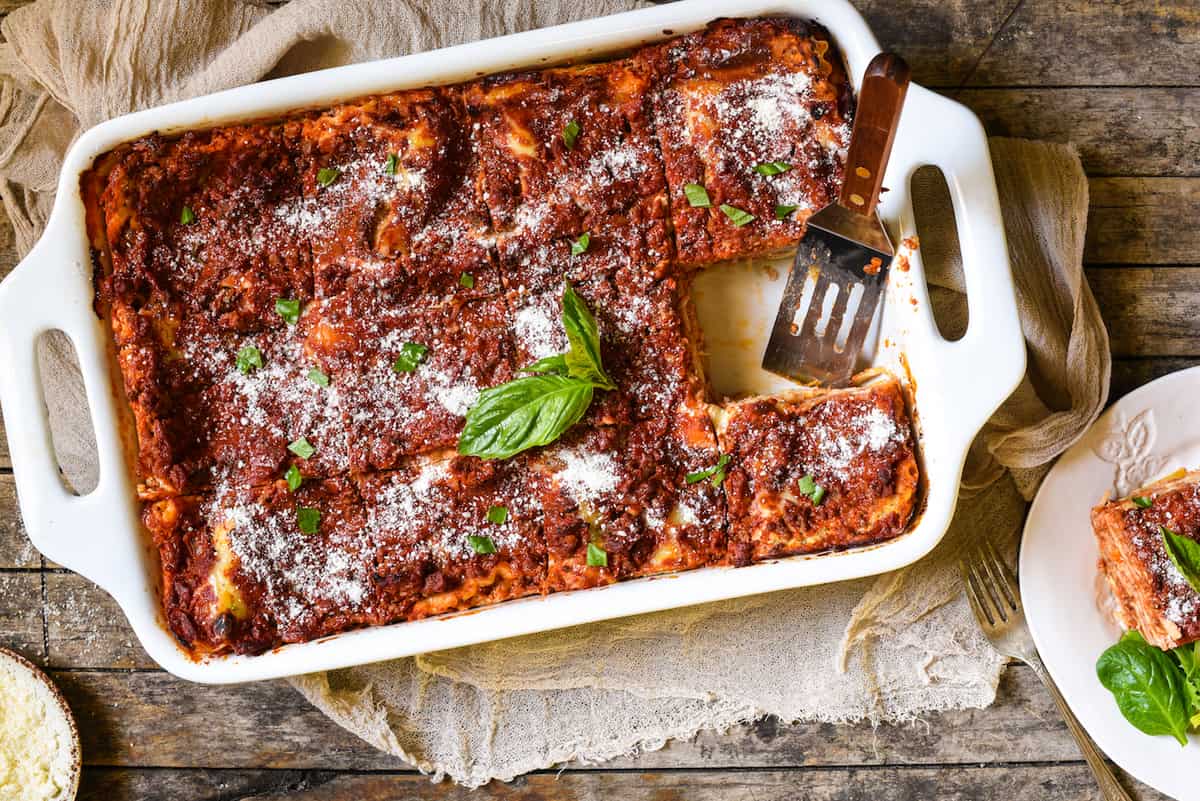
{"points": [[818, 470], [1153, 597], [753, 118]]}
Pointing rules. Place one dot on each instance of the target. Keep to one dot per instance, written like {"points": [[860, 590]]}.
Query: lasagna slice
{"points": [[817, 470], [753, 119], [1152, 595]]}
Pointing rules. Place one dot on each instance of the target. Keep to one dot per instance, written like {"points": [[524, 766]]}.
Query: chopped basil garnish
{"points": [[596, 556], [570, 134], [716, 473], [389, 166], [736, 215], [302, 448], [308, 519], [411, 355], [249, 359], [580, 245], [536, 409], [187, 216], [783, 212], [1184, 553], [772, 167], [289, 310], [467, 281], [317, 377], [809, 488], [1142, 502], [480, 544], [327, 175], [697, 196], [497, 514], [294, 478]]}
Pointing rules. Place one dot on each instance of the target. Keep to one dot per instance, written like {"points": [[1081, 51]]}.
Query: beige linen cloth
{"points": [[885, 649]]}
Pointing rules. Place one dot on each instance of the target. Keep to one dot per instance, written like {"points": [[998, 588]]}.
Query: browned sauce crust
{"points": [[446, 217], [1152, 596]]}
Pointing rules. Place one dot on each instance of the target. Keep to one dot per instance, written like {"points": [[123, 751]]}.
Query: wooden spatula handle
{"points": [[879, 101]]}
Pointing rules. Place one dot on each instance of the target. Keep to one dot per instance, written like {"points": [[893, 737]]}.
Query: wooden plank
{"points": [[1149, 311], [1119, 131], [1095, 43], [15, 548], [1143, 221], [150, 719], [941, 39], [21, 614], [86, 628], [1129, 374], [1025, 783]]}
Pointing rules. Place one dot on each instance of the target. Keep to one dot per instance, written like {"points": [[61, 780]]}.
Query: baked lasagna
{"points": [[1153, 595], [303, 310]]}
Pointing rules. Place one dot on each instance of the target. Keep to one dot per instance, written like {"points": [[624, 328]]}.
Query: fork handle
{"points": [[1110, 788], [879, 102]]}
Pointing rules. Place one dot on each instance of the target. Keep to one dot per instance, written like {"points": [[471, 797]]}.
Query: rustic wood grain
{"points": [[1119, 131], [1130, 373], [1143, 221], [15, 548], [21, 614], [1149, 312], [1095, 43], [1023, 783], [150, 719]]}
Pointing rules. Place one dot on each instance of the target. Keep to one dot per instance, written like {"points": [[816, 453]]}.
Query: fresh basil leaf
{"points": [[288, 309], [697, 196], [580, 245], [818, 495], [466, 281], [596, 556], [249, 359], [806, 485], [327, 175], [389, 166], [737, 216], [1141, 502], [317, 377], [583, 357], [411, 355], [480, 544], [294, 478], [1147, 685], [551, 365], [524, 413], [769, 168], [782, 212], [187, 216], [1188, 657], [1185, 553], [302, 448], [570, 134], [308, 519], [497, 514]]}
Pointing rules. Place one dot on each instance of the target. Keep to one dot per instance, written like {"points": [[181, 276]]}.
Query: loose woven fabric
{"points": [[883, 649]]}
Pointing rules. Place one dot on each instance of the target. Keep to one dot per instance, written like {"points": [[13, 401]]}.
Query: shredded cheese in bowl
{"points": [[39, 745]]}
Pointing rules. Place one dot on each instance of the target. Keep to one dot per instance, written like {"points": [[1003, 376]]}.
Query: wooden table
{"points": [[1116, 78]]}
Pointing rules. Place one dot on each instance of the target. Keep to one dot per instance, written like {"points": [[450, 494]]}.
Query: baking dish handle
{"points": [[49, 290], [991, 354]]}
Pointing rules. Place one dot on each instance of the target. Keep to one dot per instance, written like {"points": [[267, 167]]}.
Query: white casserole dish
{"points": [[956, 385]]}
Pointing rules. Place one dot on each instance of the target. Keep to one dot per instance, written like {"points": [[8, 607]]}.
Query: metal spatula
{"points": [[843, 259]]}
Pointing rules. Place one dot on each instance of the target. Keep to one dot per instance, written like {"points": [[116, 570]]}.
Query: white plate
{"points": [[1147, 433]]}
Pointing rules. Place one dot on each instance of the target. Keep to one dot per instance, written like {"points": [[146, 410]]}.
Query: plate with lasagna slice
{"points": [[1110, 576]]}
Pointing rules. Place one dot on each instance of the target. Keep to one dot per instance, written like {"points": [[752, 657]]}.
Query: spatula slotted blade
{"points": [[828, 304], [842, 262]]}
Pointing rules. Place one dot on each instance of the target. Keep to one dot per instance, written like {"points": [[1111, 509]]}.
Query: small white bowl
{"points": [[55, 708]]}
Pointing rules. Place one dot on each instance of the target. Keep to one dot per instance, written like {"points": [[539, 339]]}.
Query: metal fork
{"points": [[992, 591]]}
